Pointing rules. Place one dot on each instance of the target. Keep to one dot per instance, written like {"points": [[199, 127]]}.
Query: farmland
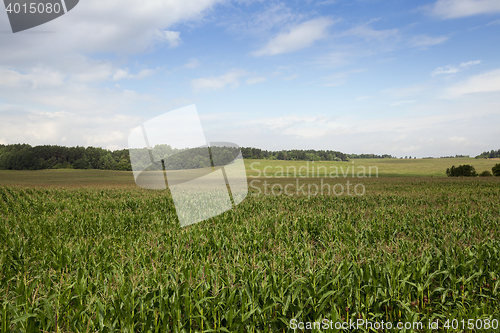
{"points": [[386, 167], [87, 251]]}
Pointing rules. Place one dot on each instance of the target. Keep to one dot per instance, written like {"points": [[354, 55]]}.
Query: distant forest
{"points": [[26, 157], [304, 155], [489, 154]]}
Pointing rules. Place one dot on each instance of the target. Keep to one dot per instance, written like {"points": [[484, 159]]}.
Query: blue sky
{"points": [[416, 78]]}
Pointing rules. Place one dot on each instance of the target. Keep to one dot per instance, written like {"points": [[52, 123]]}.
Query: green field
{"points": [[435, 167], [67, 178], [87, 251]]}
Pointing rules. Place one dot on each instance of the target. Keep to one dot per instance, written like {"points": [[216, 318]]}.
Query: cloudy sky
{"points": [[419, 78]]}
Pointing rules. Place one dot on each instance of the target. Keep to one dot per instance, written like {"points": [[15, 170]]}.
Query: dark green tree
{"points": [[461, 171], [81, 163], [496, 170]]}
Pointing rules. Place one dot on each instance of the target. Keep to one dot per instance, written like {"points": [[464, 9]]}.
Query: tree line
{"points": [[163, 156], [489, 154], [26, 157], [304, 155]]}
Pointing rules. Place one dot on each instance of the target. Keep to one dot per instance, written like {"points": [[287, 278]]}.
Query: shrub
{"points": [[485, 173], [496, 170], [461, 171]]}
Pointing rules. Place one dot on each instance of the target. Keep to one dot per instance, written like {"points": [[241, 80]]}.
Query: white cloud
{"points": [[172, 37], [273, 16], [89, 71], [116, 26], [106, 138], [406, 92], [398, 103], [45, 77], [424, 133], [450, 69], [467, 64], [38, 127], [483, 83], [288, 122], [305, 132], [298, 37], [47, 88], [68, 77], [192, 63], [231, 78], [496, 22], [448, 9], [291, 77], [124, 74], [255, 80], [368, 33], [423, 40], [374, 42], [458, 139], [338, 58], [362, 98], [36, 77]]}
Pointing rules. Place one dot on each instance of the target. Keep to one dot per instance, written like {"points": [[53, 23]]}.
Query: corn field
{"points": [[116, 260]]}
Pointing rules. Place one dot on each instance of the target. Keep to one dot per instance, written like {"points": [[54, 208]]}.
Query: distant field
{"points": [[273, 168], [386, 167], [67, 178]]}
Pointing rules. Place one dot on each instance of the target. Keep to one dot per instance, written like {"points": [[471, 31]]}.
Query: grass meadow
{"points": [[88, 251]]}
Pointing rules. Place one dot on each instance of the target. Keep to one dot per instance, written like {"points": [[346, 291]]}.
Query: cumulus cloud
{"points": [[114, 26], [36, 77], [448, 9], [48, 88], [57, 71], [64, 128], [298, 37], [45, 77], [124, 74], [172, 37], [231, 78]]}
